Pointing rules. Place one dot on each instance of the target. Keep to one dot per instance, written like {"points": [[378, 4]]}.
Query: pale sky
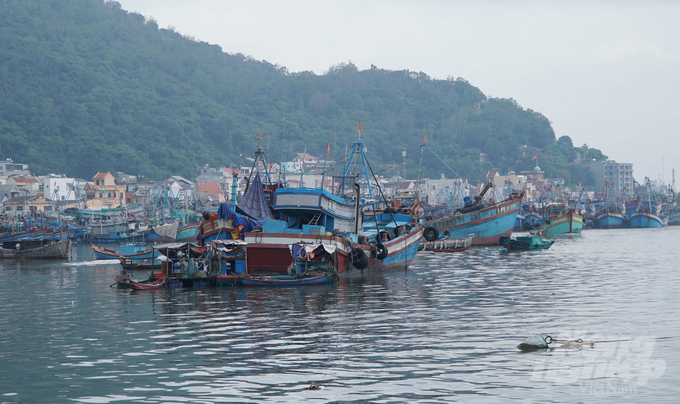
{"points": [[604, 73]]}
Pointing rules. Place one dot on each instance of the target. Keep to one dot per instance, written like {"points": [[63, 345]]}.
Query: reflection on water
{"points": [[446, 330]]}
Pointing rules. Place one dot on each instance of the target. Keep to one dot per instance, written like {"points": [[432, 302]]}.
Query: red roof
{"points": [[101, 176], [25, 180], [210, 188], [232, 171], [306, 156], [491, 174]]}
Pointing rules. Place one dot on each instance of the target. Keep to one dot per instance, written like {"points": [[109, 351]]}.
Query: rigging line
{"points": [[380, 191]]}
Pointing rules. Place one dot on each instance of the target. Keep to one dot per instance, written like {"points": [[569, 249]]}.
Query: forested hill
{"points": [[87, 86]]}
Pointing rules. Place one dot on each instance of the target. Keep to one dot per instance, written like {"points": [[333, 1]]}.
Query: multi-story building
{"points": [[620, 175]]}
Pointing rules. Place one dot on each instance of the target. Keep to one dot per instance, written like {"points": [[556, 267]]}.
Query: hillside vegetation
{"points": [[86, 86]]}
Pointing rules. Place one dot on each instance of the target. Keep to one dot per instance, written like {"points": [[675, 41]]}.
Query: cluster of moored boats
{"points": [[278, 236]]}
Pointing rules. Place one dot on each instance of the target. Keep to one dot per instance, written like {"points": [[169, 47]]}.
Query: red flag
{"points": [[425, 138], [359, 126], [534, 157], [550, 188], [258, 137], [328, 148]]}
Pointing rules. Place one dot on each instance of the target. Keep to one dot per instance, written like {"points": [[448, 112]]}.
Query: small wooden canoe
{"points": [[147, 285], [287, 280]]}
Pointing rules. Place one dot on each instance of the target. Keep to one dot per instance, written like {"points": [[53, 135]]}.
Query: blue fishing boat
{"points": [[487, 221], [363, 235], [611, 213], [647, 212]]}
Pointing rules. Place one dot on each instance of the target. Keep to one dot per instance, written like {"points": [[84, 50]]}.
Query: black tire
{"points": [[446, 233], [431, 233], [389, 235], [381, 251], [359, 258]]}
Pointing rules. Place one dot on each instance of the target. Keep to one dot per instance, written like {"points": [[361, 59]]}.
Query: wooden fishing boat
{"points": [[486, 221], [36, 249], [308, 279], [148, 284], [134, 251], [533, 242]]}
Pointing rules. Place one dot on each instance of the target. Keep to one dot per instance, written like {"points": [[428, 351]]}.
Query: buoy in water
{"points": [[533, 343]]}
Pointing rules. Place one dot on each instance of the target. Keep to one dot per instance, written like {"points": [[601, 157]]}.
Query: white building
{"points": [[59, 188]]}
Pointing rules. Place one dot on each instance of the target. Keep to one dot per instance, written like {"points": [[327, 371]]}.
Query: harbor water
{"points": [[445, 330]]}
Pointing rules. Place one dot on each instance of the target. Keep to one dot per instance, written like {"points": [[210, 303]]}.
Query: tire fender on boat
{"points": [[382, 251], [431, 233], [359, 258]]}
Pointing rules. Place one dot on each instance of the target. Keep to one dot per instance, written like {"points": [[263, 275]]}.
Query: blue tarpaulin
{"points": [[254, 203], [225, 212]]}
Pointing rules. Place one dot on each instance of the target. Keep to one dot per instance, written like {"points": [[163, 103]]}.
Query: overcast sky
{"points": [[604, 73]]}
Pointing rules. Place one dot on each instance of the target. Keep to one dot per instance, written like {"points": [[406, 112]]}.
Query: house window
{"points": [[109, 194], [114, 194], [128, 200], [97, 182]]}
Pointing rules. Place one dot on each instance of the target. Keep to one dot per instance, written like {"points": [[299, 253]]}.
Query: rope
{"points": [[549, 340]]}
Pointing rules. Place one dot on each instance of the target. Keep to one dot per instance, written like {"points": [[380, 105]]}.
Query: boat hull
{"points": [[568, 223], [610, 221], [287, 281], [270, 253], [488, 224], [640, 220], [674, 219], [58, 250]]}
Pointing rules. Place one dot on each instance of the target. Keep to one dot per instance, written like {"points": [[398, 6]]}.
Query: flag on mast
{"points": [[359, 126], [425, 138], [328, 148], [534, 156], [259, 134]]}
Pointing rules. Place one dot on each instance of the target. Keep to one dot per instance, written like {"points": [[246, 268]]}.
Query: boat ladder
{"points": [[315, 219]]}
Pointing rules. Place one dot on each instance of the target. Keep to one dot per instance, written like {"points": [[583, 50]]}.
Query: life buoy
{"points": [[389, 198]]}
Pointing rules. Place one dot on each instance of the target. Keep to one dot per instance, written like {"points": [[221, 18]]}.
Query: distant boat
{"points": [[674, 218], [36, 249], [647, 213], [611, 213], [559, 218]]}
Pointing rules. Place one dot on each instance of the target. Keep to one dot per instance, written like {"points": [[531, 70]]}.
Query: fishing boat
{"points": [[532, 242], [134, 251], [560, 220], [187, 233], [487, 221], [674, 218], [364, 236], [611, 213], [36, 249], [449, 245], [647, 213]]}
